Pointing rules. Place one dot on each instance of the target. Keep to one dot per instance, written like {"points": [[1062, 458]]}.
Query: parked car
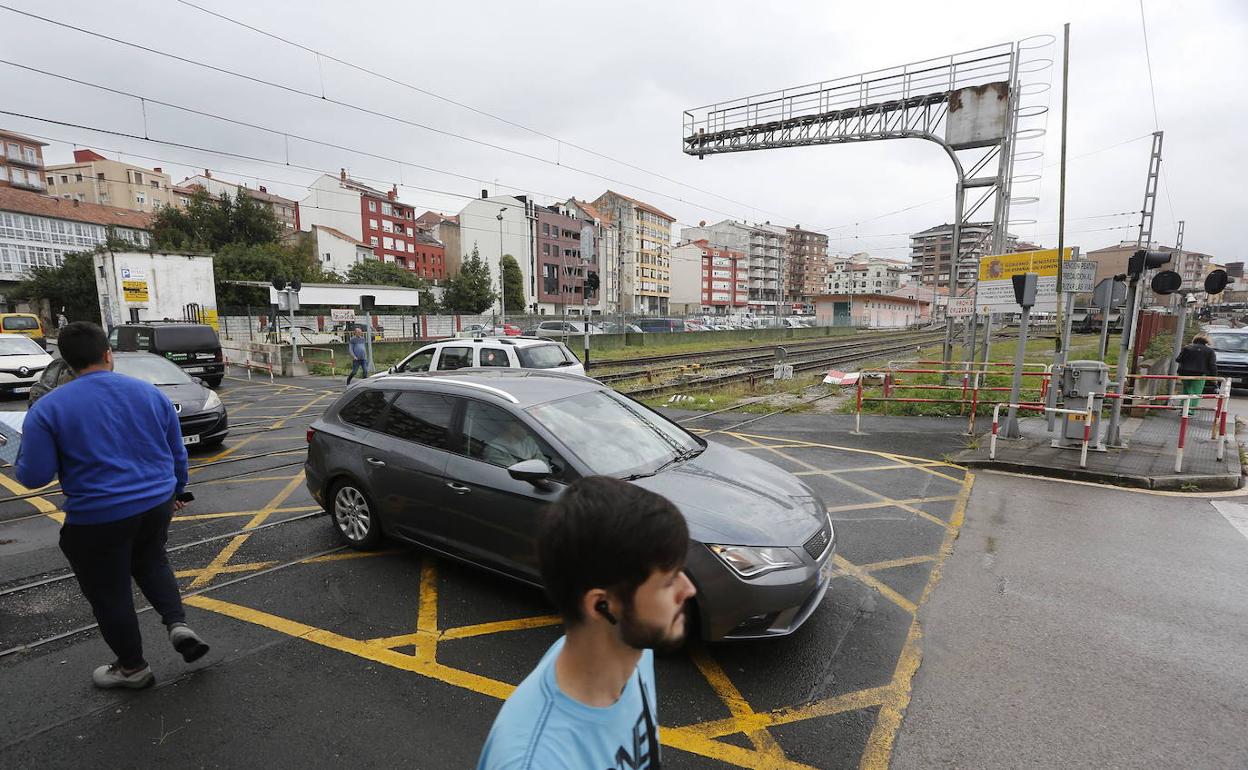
{"points": [[200, 411], [487, 330], [21, 363], [509, 352], [306, 335], [1231, 350], [611, 327], [660, 324], [562, 329], [463, 464], [194, 347], [25, 324]]}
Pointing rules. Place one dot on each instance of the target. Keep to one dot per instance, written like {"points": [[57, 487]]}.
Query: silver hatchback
{"points": [[463, 463]]}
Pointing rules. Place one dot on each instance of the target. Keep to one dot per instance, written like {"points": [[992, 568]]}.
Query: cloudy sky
{"points": [[546, 82]]}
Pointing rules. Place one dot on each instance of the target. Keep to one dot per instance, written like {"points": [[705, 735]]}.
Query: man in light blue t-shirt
{"points": [[612, 558]]}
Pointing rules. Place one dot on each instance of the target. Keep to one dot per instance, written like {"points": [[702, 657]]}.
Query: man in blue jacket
{"points": [[359, 353], [116, 445]]}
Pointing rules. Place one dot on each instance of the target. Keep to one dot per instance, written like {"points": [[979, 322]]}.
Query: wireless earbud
{"points": [[604, 609]]}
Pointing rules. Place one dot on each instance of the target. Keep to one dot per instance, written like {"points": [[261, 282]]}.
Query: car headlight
{"points": [[213, 401], [752, 561]]}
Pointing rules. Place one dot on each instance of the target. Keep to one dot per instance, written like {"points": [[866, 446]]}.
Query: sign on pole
{"points": [[1078, 276], [342, 314], [961, 307], [996, 273]]}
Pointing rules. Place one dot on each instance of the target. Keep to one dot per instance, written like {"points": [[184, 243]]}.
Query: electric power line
{"points": [[1148, 59]]}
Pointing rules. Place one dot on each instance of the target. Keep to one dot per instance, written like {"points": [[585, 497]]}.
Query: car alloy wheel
{"points": [[353, 517]]}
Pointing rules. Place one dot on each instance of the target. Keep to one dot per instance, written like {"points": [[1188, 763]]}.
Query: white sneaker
{"points": [[187, 642], [110, 676]]}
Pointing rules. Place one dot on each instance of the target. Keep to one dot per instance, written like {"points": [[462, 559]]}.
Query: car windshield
{"points": [[542, 356], [1230, 343], [150, 368], [19, 346], [613, 435], [19, 323]]}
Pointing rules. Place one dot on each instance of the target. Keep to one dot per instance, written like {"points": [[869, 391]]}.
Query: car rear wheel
{"points": [[354, 517]]}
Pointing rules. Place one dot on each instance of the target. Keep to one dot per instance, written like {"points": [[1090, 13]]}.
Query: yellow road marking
{"points": [[864, 577], [231, 568], [232, 514], [427, 616], [852, 701], [893, 467], [906, 562], [347, 555], [247, 480], [879, 749], [887, 503], [519, 624], [223, 558], [41, 504], [855, 450], [736, 703]]}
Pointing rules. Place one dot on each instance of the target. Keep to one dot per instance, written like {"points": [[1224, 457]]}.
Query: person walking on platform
{"points": [[1197, 360], [359, 354], [116, 445], [612, 559]]}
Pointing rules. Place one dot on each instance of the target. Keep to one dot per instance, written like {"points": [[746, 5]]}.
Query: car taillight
{"points": [[311, 431]]}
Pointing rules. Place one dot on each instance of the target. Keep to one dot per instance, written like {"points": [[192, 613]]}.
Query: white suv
{"points": [[512, 352]]}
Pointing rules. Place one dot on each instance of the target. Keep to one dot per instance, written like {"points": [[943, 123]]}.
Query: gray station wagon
{"points": [[463, 463]]}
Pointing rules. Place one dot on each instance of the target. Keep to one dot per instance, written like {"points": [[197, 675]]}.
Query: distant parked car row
{"points": [[561, 329]]}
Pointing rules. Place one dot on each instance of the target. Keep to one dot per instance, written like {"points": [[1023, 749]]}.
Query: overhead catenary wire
{"points": [[387, 116]]}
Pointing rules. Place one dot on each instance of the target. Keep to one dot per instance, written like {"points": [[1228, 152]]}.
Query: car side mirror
{"points": [[535, 471]]}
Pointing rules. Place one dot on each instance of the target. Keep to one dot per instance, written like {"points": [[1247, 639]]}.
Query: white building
{"points": [[481, 228], [148, 286], [764, 247], [38, 230], [285, 209], [337, 251], [861, 274]]}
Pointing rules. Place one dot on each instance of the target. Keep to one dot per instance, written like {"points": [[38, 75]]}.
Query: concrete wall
{"points": [[479, 226], [173, 281], [329, 204]]}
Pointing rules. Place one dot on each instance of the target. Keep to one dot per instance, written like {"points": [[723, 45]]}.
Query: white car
{"points": [[508, 352], [21, 363]]}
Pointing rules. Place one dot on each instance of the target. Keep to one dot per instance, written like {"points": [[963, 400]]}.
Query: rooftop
{"points": [[50, 206], [643, 206], [340, 235], [21, 138]]}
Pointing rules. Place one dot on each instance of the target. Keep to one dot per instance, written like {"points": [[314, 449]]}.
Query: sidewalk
{"points": [[1147, 461]]}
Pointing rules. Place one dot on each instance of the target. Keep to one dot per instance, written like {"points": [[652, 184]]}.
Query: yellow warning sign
{"points": [[210, 318], [134, 291]]}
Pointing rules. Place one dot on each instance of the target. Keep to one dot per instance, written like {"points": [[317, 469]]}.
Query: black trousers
{"points": [[105, 557]]}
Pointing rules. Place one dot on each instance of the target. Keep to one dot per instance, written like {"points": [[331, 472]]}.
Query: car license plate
{"points": [[188, 440], [194, 370], [22, 390]]}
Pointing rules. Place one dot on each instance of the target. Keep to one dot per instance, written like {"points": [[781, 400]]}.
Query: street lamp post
{"points": [[502, 287]]}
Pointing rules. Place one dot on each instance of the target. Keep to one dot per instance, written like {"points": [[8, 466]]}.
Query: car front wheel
{"points": [[354, 517]]}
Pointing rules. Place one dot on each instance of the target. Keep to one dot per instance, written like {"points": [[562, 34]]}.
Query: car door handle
{"points": [[375, 461], [459, 489]]}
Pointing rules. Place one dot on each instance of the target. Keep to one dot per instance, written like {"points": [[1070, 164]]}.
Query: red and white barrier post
{"points": [[1178, 455], [1087, 433], [996, 422]]}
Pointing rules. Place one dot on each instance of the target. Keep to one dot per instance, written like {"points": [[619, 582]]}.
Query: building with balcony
{"points": [[709, 279], [764, 247], [1112, 260], [606, 254], [37, 230], [563, 260], [377, 218], [806, 264], [645, 248], [862, 274], [93, 178], [285, 209], [931, 253], [21, 162]]}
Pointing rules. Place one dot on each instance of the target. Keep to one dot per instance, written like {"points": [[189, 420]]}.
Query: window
{"points": [[15, 151], [64, 178], [140, 197], [494, 357], [155, 185], [372, 239], [138, 177], [372, 206], [388, 243], [545, 356], [545, 229], [51, 180], [399, 245], [387, 209], [387, 226], [498, 438], [30, 155], [372, 224], [77, 177], [419, 362], [421, 417], [454, 358], [364, 409]]}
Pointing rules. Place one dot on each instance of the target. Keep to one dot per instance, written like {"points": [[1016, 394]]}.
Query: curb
{"points": [[1206, 482]]}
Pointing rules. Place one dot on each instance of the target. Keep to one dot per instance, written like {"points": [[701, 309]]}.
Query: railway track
{"points": [[861, 351]]}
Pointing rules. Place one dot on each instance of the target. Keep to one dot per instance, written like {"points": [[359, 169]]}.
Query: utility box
{"points": [[1079, 379]]}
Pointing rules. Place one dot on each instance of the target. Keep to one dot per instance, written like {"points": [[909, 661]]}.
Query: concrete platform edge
{"points": [[1207, 482]]}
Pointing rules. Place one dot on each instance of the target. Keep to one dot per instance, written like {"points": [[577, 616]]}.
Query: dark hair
{"points": [[1200, 339], [82, 344], [610, 534]]}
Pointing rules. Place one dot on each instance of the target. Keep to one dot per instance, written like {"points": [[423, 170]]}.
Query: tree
{"points": [[264, 262], [470, 290], [374, 272], [72, 286], [513, 285], [212, 223]]}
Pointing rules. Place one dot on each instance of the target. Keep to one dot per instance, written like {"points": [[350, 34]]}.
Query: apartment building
{"points": [[377, 218], [931, 253], [38, 230], [645, 238], [709, 279], [21, 162], [764, 247], [564, 259], [606, 255], [805, 264], [862, 274], [93, 178], [1112, 260], [285, 209]]}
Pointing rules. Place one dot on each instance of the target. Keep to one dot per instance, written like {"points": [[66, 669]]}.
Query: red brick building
{"points": [[21, 162], [560, 270]]}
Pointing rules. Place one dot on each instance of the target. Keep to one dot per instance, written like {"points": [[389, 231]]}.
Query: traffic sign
{"points": [[996, 287], [960, 307], [1078, 276], [342, 314]]}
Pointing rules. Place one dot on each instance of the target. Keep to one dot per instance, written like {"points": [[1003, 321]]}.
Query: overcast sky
{"points": [[614, 79]]}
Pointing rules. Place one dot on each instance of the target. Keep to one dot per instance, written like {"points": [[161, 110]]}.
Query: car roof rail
{"points": [[479, 386]]}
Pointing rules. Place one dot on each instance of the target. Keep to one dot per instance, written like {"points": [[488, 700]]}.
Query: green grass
{"points": [[694, 345]]}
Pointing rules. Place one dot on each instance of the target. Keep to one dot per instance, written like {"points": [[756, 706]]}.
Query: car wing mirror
{"points": [[535, 471]]}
